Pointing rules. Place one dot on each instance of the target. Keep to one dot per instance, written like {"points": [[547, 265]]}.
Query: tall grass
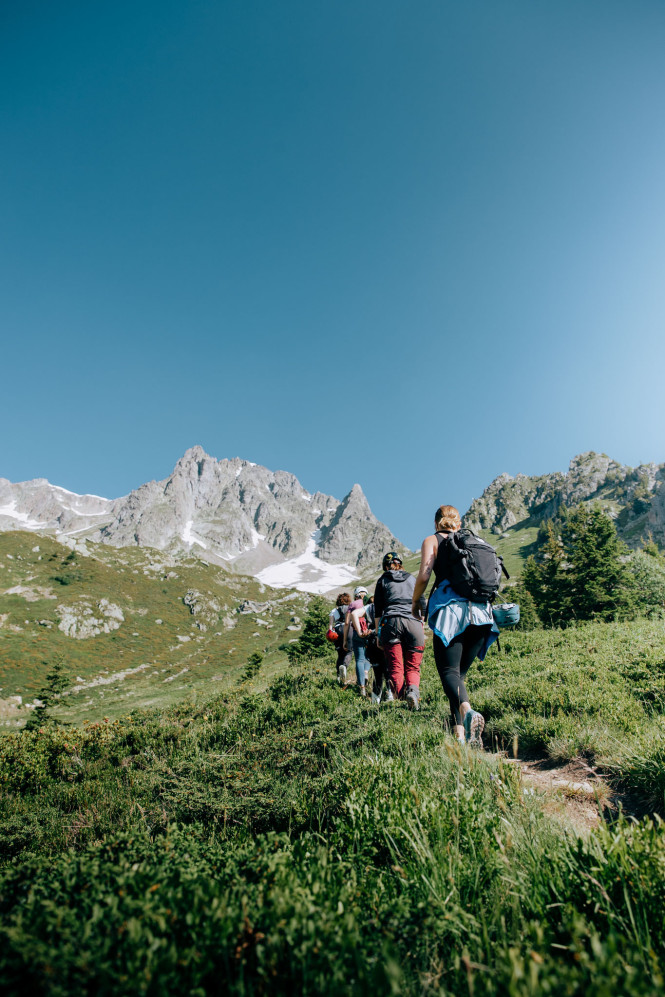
{"points": [[300, 842]]}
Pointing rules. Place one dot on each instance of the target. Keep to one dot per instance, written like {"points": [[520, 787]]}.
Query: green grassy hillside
{"points": [[161, 652], [300, 841]]}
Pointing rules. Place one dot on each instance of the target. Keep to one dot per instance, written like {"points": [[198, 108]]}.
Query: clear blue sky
{"points": [[410, 245]]}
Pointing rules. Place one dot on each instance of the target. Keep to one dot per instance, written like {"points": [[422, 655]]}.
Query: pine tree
{"points": [[650, 547], [546, 579], [313, 642], [599, 581], [519, 593], [253, 666], [49, 695]]}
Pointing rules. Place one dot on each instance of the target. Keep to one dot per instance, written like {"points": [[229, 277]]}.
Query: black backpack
{"points": [[339, 626], [472, 566]]}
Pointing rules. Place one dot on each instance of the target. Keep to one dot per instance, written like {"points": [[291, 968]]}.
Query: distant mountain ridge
{"points": [[229, 511], [634, 497]]}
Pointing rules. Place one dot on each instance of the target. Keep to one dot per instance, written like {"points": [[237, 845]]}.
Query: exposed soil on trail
{"points": [[574, 793]]}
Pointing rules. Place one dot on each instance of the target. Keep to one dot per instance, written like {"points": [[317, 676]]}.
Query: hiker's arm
{"points": [[427, 558], [355, 619], [331, 620], [347, 620]]}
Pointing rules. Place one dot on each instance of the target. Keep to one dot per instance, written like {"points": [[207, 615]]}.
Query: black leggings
{"points": [[454, 661]]}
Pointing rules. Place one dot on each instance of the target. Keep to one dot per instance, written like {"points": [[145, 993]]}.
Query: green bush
{"points": [[303, 842]]}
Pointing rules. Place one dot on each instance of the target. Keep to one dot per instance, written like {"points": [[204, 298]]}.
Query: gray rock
{"points": [[635, 496], [82, 621], [247, 516], [229, 512]]}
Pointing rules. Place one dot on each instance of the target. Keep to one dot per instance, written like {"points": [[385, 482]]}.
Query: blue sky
{"points": [[412, 246]]}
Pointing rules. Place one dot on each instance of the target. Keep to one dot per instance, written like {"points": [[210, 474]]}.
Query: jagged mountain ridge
{"points": [[228, 511], [39, 505], [634, 497]]}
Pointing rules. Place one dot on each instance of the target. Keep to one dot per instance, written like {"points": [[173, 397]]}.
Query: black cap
{"points": [[390, 558]]}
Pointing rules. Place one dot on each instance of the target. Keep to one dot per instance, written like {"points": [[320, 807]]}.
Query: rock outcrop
{"points": [[634, 497], [240, 512], [83, 620]]}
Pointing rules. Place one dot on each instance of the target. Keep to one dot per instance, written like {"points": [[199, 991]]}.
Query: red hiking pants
{"points": [[403, 641]]}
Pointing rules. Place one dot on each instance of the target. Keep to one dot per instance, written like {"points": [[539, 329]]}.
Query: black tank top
{"points": [[441, 562]]}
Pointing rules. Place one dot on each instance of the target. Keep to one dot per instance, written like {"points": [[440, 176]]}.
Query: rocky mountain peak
{"points": [[229, 511], [635, 497], [243, 514]]}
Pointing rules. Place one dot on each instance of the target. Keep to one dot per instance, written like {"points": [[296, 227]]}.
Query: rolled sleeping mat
{"points": [[506, 614]]}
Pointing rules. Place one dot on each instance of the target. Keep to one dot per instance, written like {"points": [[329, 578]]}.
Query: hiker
{"points": [[336, 623], [401, 634], [463, 629], [373, 652], [355, 639]]}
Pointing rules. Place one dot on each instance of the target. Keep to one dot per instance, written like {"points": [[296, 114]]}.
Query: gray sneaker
{"points": [[413, 697], [341, 674], [474, 724], [389, 696]]}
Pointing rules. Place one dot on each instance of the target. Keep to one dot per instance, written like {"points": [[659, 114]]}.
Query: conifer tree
{"points": [[253, 666], [50, 694], [599, 580], [546, 580], [529, 619], [313, 642]]}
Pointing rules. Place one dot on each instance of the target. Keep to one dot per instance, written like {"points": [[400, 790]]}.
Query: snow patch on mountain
{"points": [[21, 517], [307, 572], [190, 538]]}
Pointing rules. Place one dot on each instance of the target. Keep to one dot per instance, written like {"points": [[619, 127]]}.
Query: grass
{"points": [[159, 654], [268, 833], [297, 840]]}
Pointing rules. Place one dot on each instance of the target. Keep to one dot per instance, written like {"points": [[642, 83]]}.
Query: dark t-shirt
{"points": [[394, 593]]}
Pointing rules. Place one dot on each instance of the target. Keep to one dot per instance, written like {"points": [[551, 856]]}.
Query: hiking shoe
{"points": [[413, 698], [474, 724], [341, 674], [389, 696], [363, 691], [376, 698]]}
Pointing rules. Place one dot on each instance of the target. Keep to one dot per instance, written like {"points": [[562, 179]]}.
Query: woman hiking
{"points": [[336, 622], [463, 630], [373, 652], [400, 631], [354, 639]]}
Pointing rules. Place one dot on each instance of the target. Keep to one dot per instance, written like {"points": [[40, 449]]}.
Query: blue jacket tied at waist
{"points": [[449, 615]]}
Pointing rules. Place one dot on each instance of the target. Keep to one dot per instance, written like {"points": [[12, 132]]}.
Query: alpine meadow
{"points": [[332, 499], [192, 805]]}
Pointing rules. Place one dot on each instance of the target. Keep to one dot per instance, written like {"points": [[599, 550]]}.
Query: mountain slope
{"points": [[511, 509], [634, 497], [130, 627], [228, 512]]}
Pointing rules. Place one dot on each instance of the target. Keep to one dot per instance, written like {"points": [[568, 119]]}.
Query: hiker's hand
{"points": [[416, 611]]}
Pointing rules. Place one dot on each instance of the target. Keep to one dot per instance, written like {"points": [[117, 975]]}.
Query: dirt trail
{"points": [[574, 792]]}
